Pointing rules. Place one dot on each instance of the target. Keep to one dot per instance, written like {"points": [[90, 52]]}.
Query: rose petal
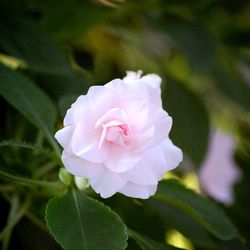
{"points": [[100, 95], [121, 160], [85, 144], [73, 164], [173, 155], [163, 123], [79, 167], [150, 169], [152, 80], [78, 112], [107, 183], [153, 164], [116, 84], [137, 110], [140, 141], [64, 136], [114, 114], [137, 191]]}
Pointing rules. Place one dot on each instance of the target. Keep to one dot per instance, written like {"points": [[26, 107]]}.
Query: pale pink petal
{"points": [[85, 144], [154, 163], [116, 84], [150, 169], [142, 174], [121, 159], [137, 191], [142, 140], [155, 97], [79, 167], [81, 110], [102, 98], [74, 165], [163, 123], [64, 136], [173, 155], [116, 114], [152, 80], [137, 110], [107, 183]]}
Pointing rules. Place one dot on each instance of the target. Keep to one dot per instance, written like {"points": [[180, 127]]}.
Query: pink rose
{"points": [[117, 136]]}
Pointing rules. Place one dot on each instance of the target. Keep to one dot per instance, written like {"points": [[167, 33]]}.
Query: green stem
{"points": [[45, 169], [15, 214], [24, 181], [44, 188]]}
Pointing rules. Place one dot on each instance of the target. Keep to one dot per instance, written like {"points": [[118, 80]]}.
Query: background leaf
{"points": [[83, 16], [193, 39], [82, 223], [190, 120], [202, 211], [230, 84], [21, 38], [29, 100], [148, 244]]}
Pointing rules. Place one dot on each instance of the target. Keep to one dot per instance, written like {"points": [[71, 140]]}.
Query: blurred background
{"points": [[199, 48]]}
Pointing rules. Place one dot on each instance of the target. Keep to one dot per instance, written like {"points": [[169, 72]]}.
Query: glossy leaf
{"points": [[79, 222], [29, 100], [206, 213]]}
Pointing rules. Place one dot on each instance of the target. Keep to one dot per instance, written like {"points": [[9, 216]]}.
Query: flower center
{"points": [[116, 132], [114, 127]]}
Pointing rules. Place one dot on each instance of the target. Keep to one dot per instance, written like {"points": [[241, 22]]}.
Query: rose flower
{"points": [[117, 136]]}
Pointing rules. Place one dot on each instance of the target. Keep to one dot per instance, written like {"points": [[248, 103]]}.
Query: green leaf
{"points": [[190, 120], [79, 222], [194, 40], [229, 83], [204, 212], [21, 38], [173, 218], [29, 100], [148, 244]]}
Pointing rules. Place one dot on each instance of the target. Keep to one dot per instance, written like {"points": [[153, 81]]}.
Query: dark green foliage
{"points": [[53, 51]]}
